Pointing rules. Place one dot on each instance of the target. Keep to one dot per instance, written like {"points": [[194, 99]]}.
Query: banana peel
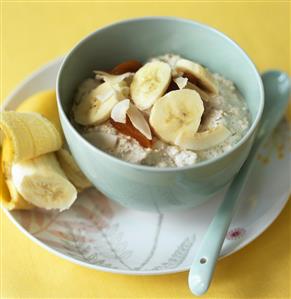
{"points": [[30, 134], [9, 197], [44, 103]]}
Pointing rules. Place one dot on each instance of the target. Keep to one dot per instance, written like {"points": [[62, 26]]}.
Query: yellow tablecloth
{"points": [[34, 33]]}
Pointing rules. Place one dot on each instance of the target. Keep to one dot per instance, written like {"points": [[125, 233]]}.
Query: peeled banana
{"points": [[149, 83], [29, 134], [9, 196], [42, 182], [44, 103], [175, 112]]}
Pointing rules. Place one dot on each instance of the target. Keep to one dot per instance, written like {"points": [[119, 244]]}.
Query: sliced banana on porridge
{"points": [[197, 75], [95, 106], [187, 139], [149, 83], [176, 111], [167, 112]]}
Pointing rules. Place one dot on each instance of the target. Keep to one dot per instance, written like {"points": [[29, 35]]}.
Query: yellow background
{"points": [[33, 34]]}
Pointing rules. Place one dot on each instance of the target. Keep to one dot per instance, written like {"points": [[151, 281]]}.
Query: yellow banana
{"points": [[9, 197], [30, 134], [44, 103], [42, 182]]}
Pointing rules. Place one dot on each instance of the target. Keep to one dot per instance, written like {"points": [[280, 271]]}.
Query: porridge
{"points": [[169, 112]]}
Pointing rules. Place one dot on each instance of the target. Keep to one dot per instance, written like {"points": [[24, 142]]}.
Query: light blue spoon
{"points": [[276, 86]]}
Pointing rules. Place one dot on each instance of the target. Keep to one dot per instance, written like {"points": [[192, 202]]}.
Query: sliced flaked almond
{"points": [[129, 130], [119, 111], [139, 122], [181, 82]]}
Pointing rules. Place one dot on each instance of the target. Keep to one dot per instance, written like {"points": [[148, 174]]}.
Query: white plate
{"points": [[100, 234]]}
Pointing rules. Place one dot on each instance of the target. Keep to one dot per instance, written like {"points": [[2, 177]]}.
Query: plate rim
{"points": [[57, 62]]}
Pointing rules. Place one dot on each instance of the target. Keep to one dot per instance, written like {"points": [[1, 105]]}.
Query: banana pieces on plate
{"points": [[31, 174]]}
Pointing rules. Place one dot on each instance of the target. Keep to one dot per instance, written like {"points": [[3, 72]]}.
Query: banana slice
{"points": [[197, 75], [175, 112], [149, 83], [29, 134], [42, 182], [95, 107], [72, 170], [201, 141]]}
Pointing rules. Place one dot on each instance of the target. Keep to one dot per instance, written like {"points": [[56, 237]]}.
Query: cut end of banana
{"points": [[197, 75], [176, 111], [42, 182], [149, 83], [202, 141]]}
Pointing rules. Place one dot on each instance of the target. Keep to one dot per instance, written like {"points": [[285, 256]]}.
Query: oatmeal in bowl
{"points": [[168, 112]]}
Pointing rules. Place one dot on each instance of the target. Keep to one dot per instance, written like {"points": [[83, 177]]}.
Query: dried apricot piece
{"points": [[127, 66], [129, 130]]}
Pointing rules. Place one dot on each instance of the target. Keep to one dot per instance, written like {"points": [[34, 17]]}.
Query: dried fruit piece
{"points": [[129, 130], [127, 66]]}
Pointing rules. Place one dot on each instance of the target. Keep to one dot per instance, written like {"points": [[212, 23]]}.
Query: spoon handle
{"points": [[276, 87], [204, 262]]}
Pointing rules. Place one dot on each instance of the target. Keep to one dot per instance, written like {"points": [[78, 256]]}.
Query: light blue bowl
{"points": [[145, 187]]}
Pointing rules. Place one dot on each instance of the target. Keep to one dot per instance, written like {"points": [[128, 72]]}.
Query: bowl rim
{"points": [[198, 165]]}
